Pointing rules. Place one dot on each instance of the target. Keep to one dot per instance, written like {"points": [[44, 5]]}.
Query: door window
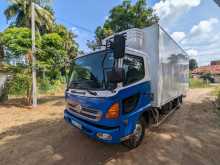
{"points": [[134, 69]]}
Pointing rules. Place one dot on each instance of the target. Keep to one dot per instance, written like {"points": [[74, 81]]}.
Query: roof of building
{"points": [[213, 69], [217, 62]]}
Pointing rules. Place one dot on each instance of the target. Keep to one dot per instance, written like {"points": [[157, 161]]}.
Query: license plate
{"points": [[76, 124]]}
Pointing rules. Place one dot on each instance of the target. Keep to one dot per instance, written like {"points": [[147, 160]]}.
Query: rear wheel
{"points": [[181, 99], [138, 134]]}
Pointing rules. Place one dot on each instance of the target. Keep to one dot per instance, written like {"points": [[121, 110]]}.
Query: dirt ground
{"points": [[41, 137]]}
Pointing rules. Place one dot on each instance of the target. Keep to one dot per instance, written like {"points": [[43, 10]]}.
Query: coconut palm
{"points": [[19, 14]]}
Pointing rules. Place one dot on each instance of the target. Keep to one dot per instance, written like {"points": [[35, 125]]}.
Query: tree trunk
{"points": [[29, 94]]}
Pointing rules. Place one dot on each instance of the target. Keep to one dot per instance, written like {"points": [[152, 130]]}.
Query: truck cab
{"points": [[113, 94], [106, 96]]}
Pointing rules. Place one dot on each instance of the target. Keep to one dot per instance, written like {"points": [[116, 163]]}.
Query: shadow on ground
{"points": [[16, 102], [22, 103], [190, 136], [46, 99], [52, 142]]}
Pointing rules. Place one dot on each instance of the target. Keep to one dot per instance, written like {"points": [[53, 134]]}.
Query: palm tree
{"points": [[1, 53], [19, 13]]}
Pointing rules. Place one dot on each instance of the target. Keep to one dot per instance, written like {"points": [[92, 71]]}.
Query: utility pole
{"points": [[34, 82]]}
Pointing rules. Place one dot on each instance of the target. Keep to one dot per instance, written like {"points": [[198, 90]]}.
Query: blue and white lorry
{"points": [[132, 83]]}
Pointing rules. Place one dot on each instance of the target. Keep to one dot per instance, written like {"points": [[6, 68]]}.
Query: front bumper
{"points": [[92, 130]]}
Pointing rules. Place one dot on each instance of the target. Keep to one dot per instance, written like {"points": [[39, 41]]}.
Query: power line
{"points": [[75, 25]]}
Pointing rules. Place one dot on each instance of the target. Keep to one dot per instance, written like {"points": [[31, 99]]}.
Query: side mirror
{"points": [[118, 46], [116, 75]]}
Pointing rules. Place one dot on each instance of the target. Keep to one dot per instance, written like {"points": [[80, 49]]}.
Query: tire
{"points": [[139, 132], [181, 99]]}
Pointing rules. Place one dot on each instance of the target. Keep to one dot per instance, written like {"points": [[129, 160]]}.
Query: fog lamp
{"points": [[104, 136]]}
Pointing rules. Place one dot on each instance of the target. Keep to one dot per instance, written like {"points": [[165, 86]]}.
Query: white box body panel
{"points": [[174, 69], [168, 65], [168, 62]]}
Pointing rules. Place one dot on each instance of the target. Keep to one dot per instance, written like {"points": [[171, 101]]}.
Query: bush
{"points": [[44, 85], [216, 92], [218, 98], [19, 85], [4, 95], [198, 83], [47, 86]]}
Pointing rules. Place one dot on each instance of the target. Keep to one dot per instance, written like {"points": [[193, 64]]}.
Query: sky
{"points": [[194, 24]]}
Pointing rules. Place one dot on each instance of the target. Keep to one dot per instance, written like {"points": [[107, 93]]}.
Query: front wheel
{"points": [[138, 134]]}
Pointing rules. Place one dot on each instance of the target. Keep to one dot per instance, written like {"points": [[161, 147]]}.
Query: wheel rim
{"points": [[137, 133]]}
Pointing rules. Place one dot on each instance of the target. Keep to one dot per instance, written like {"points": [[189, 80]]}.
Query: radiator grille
{"points": [[83, 112]]}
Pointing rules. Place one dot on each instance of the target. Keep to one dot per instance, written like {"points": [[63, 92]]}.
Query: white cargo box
{"points": [[169, 65], [168, 62]]}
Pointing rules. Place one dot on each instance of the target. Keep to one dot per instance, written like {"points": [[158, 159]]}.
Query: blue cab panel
{"points": [[91, 118]]}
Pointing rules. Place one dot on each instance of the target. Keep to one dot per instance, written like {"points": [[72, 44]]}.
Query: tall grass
{"points": [[216, 92], [198, 83], [51, 87]]}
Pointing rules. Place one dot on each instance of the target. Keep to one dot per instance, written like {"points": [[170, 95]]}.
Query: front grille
{"points": [[83, 112]]}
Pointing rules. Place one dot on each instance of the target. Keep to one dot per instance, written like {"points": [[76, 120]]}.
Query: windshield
{"points": [[89, 72]]}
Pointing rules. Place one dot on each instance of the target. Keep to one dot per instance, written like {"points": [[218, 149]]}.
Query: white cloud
{"points": [[169, 10], [205, 26], [75, 30], [205, 33], [178, 36], [203, 40], [192, 52]]}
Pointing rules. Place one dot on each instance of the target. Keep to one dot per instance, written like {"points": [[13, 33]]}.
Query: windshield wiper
{"points": [[92, 92], [89, 91], [73, 91]]}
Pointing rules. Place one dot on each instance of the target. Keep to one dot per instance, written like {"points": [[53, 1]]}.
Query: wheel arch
{"points": [[147, 114]]}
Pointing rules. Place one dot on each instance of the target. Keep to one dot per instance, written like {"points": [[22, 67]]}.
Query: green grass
{"points": [[51, 89], [198, 83], [216, 92]]}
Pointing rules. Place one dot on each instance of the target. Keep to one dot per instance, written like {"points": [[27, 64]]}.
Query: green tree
{"points": [[19, 14], [53, 55], [193, 64], [18, 43], [126, 16], [1, 50], [57, 49], [218, 2], [92, 44], [1, 55], [17, 40], [70, 44]]}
